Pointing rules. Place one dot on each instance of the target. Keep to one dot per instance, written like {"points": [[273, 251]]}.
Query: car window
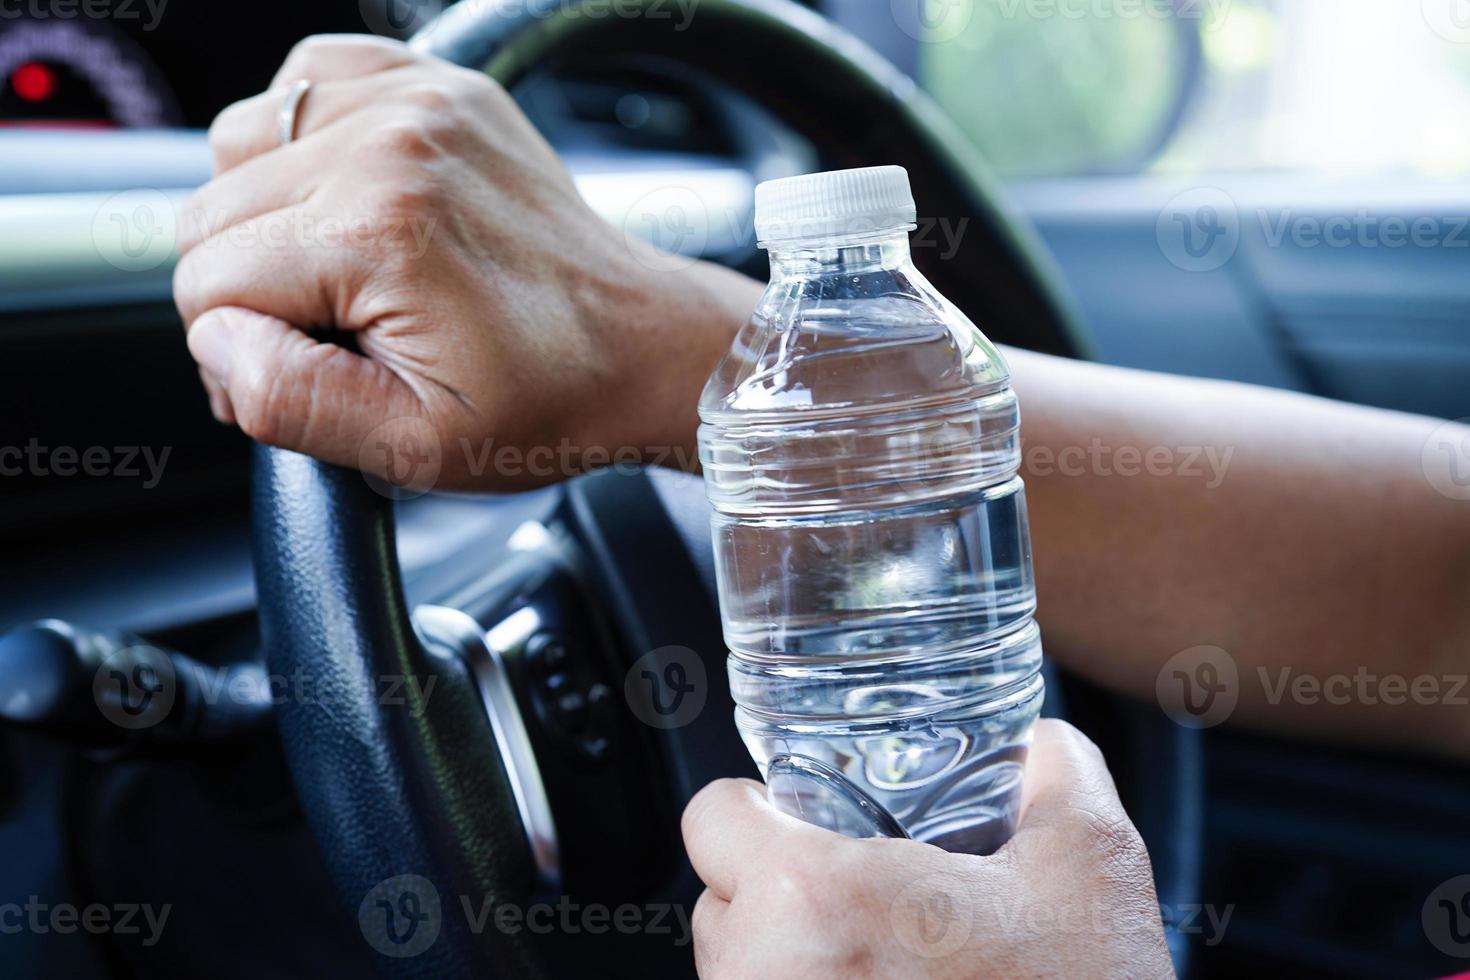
{"points": [[1086, 86]]}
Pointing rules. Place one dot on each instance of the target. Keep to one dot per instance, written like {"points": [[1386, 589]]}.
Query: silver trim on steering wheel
{"points": [[440, 628]]}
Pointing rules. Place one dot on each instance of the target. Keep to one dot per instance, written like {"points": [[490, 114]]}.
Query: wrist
{"points": [[663, 338]]}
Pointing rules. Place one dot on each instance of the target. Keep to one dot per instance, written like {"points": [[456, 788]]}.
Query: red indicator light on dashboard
{"points": [[33, 81]]}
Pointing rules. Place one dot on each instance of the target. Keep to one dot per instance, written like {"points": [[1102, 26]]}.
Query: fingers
{"points": [[332, 57], [1070, 806], [730, 830], [249, 128], [1074, 834], [710, 924], [287, 389], [257, 265], [1065, 772], [283, 178], [219, 402], [259, 186]]}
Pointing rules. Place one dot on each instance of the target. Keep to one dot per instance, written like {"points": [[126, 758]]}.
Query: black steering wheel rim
{"points": [[415, 788]]}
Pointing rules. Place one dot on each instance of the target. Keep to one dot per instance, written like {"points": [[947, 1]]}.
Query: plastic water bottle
{"points": [[860, 444]]}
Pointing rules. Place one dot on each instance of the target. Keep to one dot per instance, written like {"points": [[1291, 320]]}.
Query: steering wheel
{"points": [[511, 740]]}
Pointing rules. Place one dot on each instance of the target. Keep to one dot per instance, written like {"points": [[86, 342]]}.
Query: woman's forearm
{"points": [[1300, 535]]}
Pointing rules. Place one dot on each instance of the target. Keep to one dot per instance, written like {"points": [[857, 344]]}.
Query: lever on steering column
{"points": [[109, 688]]}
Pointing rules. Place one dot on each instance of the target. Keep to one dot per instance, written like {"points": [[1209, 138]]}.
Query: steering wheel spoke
{"points": [[452, 633]]}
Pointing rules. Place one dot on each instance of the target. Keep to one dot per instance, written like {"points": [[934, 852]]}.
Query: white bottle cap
{"points": [[836, 203]]}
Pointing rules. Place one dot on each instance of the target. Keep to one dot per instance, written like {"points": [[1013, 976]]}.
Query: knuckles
{"points": [[1114, 849], [256, 411], [794, 890], [276, 407], [434, 96], [317, 48], [700, 920], [226, 136], [804, 881], [185, 288], [450, 99], [426, 124], [414, 136], [710, 809], [400, 174], [1075, 740], [392, 221], [304, 51]]}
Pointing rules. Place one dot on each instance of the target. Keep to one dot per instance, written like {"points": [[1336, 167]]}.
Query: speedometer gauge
{"points": [[62, 73]]}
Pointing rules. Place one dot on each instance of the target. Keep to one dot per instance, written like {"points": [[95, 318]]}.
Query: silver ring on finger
{"points": [[290, 109]]}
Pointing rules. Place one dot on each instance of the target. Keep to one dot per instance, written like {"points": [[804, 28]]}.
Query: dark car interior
{"points": [[256, 825]]}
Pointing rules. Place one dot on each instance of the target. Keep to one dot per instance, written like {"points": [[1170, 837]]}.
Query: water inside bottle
{"points": [[860, 445]]}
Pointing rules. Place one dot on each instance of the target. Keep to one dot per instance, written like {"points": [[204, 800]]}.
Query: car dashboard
{"points": [[102, 133]]}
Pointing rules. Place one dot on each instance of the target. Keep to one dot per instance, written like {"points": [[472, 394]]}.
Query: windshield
{"points": [[1066, 87]]}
